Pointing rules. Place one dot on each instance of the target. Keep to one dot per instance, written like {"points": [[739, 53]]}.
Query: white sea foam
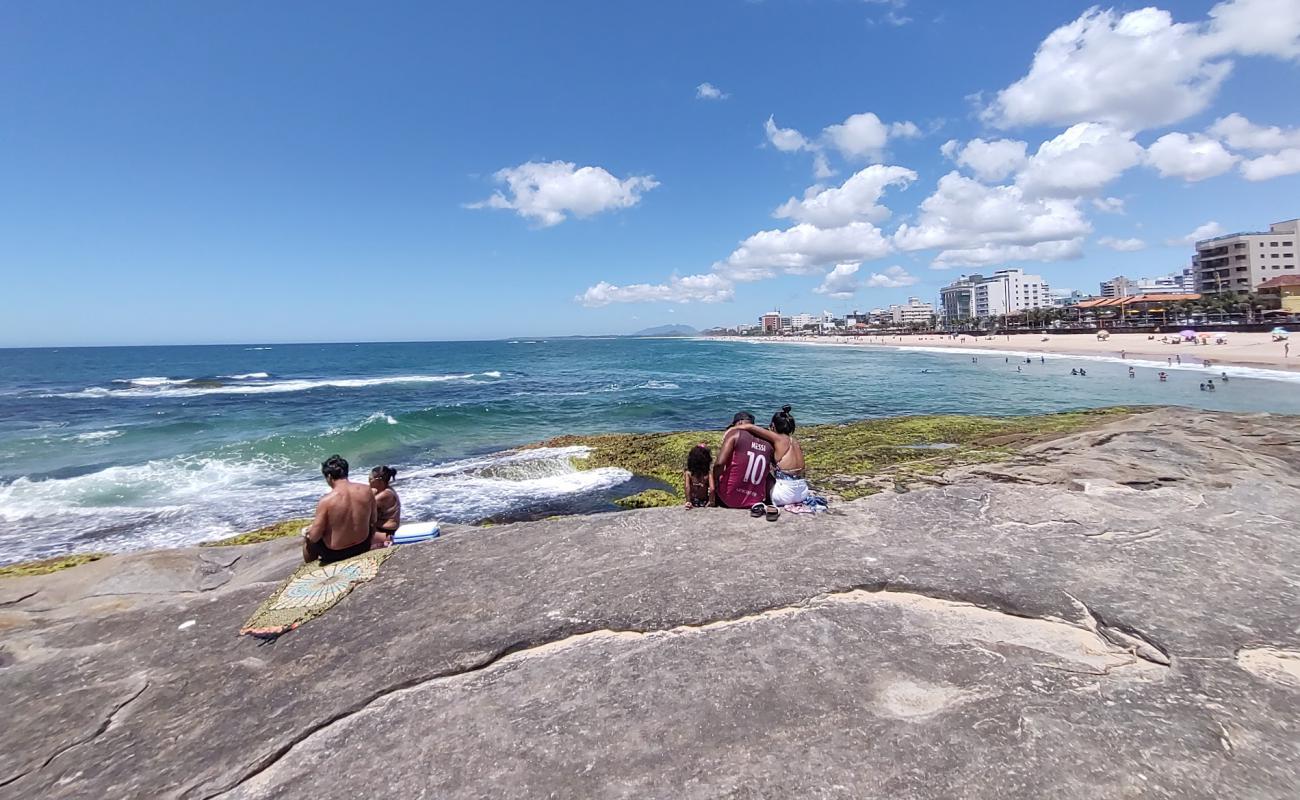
{"points": [[257, 348], [149, 381], [97, 436], [179, 501], [378, 416], [179, 388], [477, 488], [249, 376], [651, 385], [491, 374], [162, 503]]}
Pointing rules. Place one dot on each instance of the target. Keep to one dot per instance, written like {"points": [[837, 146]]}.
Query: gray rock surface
{"points": [[1112, 614]]}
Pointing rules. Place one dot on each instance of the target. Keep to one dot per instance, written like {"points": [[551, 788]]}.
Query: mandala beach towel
{"points": [[311, 591]]}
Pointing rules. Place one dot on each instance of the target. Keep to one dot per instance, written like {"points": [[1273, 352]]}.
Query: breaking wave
{"points": [[253, 383], [183, 500], [514, 483]]}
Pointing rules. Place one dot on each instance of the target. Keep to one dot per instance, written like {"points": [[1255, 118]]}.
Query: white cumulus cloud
{"points": [[841, 282], [547, 192], [802, 249], [1272, 165], [894, 277], [1242, 134], [990, 161], [1207, 231], [707, 91], [1081, 160], [989, 254], [864, 136], [861, 137], [1122, 245], [688, 289], [1142, 69], [787, 140], [855, 199], [1109, 205], [973, 223], [1192, 158]]}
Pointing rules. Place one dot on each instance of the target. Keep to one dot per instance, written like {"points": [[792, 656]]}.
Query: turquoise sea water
{"points": [[120, 448]]}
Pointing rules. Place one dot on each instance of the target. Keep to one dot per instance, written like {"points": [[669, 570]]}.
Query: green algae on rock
{"points": [[45, 566], [279, 530], [848, 460]]}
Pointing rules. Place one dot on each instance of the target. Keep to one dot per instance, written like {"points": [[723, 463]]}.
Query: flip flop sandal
{"points": [[772, 513], [757, 510]]}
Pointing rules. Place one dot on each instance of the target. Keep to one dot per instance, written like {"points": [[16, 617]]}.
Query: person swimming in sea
{"points": [[388, 505], [697, 478]]}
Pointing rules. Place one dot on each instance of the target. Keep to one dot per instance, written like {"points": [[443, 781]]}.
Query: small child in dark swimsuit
{"points": [[697, 480]]}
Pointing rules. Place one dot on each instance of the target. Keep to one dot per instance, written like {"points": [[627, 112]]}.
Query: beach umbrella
{"points": [[1187, 334], [1103, 333], [1283, 332]]}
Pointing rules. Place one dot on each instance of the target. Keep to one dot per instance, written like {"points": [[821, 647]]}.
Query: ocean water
{"points": [[122, 448]]}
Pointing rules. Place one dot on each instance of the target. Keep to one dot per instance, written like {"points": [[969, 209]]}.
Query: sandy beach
{"points": [[1256, 350]]}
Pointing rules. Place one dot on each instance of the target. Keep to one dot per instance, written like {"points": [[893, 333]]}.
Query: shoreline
{"points": [[1245, 351]]}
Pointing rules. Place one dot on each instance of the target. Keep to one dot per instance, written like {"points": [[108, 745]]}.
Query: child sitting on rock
{"points": [[697, 480]]}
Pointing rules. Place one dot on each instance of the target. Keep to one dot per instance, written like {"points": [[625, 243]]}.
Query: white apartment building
{"points": [[1238, 262], [1005, 292], [800, 321], [1173, 283], [914, 312], [1010, 291]]}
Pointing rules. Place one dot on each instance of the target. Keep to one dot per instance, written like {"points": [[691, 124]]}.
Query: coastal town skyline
{"points": [[190, 176]]}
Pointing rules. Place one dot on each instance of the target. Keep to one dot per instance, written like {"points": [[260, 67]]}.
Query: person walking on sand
{"points": [[388, 505], [345, 518]]}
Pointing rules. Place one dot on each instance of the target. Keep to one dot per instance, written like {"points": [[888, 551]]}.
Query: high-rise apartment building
{"points": [[1005, 292], [915, 312], [957, 299], [1239, 262]]}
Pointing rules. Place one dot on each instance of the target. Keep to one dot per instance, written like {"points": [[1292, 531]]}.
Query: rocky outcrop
{"points": [[1110, 614]]}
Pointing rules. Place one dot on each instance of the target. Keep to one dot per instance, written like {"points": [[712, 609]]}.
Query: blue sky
{"points": [[238, 172]]}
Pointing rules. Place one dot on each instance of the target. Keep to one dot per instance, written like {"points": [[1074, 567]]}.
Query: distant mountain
{"points": [[668, 330]]}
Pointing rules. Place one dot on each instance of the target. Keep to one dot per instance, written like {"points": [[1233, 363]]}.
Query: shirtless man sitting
{"points": [[345, 518]]}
